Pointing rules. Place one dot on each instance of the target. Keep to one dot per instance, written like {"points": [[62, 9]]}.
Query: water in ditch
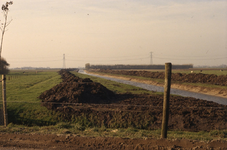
{"points": [[149, 87]]}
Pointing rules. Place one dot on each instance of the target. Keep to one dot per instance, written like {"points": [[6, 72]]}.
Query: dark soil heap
{"points": [[75, 90], [182, 77], [91, 104]]}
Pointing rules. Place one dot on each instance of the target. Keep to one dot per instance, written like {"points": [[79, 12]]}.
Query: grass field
{"points": [[22, 92], [26, 115]]}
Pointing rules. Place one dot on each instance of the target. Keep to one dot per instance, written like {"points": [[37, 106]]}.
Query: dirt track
{"points": [[72, 142]]}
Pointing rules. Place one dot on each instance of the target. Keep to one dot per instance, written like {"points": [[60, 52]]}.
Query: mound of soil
{"points": [[145, 112], [75, 90], [182, 77], [91, 103]]}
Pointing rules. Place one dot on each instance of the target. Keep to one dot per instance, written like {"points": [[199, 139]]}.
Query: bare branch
{"points": [[5, 9], [9, 22]]}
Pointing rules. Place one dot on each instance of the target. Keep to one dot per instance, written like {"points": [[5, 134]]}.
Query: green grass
{"points": [[27, 87], [22, 91]]}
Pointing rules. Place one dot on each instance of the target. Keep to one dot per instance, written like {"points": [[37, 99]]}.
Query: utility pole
{"points": [[64, 66], [151, 61]]}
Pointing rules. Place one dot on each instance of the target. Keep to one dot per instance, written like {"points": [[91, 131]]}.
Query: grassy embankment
{"points": [[26, 115]]}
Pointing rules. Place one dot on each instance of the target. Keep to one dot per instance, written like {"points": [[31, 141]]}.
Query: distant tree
{"points": [[87, 65], [5, 23], [4, 66]]}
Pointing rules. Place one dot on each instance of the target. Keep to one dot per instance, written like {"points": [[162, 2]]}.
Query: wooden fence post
{"points": [[168, 68], [5, 115]]}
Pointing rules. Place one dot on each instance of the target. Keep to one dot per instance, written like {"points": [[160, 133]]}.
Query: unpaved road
{"points": [[74, 142]]}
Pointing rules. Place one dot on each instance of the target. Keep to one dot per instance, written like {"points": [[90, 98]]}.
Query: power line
{"points": [[108, 59], [19, 58], [175, 55], [120, 58], [191, 58], [114, 105], [36, 61]]}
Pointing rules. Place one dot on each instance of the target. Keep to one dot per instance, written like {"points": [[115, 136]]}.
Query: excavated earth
{"points": [[182, 77], [81, 97]]}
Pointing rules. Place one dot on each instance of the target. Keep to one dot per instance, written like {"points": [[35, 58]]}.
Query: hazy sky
{"points": [[116, 32]]}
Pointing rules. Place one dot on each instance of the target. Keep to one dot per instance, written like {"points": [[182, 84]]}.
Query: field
{"points": [[128, 113]]}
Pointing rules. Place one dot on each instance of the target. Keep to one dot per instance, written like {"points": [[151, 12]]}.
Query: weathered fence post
{"points": [[5, 115], [168, 68]]}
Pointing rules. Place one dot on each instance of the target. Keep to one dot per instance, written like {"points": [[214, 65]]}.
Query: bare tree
{"points": [[5, 23]]}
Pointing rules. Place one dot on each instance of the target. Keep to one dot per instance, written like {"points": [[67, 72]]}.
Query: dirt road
{"points": [[74, 142]]}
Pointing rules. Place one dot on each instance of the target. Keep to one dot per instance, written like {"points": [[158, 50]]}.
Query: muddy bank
{"points": [[182, 77]]}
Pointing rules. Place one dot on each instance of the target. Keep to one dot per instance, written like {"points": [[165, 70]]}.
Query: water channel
{"points": [[149, 87]]}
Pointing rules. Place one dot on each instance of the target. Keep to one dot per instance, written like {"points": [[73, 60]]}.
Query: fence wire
{"points": [[110, 105]]}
